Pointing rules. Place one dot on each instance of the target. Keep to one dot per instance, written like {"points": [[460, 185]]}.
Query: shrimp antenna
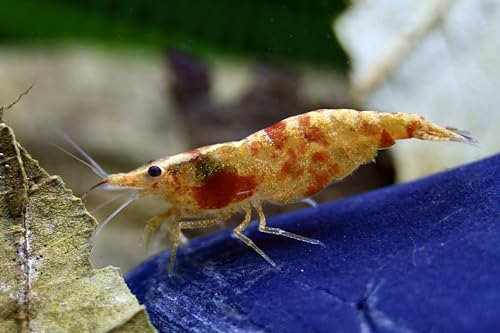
{"points": [[110, 201], [95, 166], [127, 202], [91, 167]]}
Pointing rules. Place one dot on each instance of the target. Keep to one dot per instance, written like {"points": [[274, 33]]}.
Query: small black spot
{"points": [[361, 305], [154, 171]]}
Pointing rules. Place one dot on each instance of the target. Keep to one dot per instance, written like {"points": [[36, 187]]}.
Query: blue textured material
{"points": [[416, 257]]}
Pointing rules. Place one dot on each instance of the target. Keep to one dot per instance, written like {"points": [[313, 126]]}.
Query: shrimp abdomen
{"points": [[299, 156]]}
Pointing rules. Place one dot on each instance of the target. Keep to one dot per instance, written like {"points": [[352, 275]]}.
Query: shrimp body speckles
{"points": [[286, 162]]}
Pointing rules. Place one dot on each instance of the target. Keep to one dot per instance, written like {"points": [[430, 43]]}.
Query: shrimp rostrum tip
{"points": [[283, 163]]}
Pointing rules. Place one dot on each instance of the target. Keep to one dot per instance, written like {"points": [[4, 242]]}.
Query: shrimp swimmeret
{"points": [[284, 163]]}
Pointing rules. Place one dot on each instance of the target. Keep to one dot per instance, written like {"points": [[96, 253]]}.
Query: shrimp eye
{"points": [[154, 171]]}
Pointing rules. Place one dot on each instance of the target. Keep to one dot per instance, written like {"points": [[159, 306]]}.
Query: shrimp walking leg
{"points": [[177, 232], [277, 231], [238, 232], [171, 215]]}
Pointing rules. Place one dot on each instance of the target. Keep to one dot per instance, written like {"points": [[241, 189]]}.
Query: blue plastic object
{"points": [[417, 257]]}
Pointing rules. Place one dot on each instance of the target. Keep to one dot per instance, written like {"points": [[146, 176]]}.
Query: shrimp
{"points": [[283, 163]]}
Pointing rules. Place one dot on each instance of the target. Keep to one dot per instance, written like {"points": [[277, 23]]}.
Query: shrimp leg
{"points": [[277, 231], [177, 232], [171, 215], [238, 232]]}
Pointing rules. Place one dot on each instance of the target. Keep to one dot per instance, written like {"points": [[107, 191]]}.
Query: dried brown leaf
{"points": [[47, 283]]}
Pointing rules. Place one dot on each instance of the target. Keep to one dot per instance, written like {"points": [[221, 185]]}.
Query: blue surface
{"points": [[416, 257]]}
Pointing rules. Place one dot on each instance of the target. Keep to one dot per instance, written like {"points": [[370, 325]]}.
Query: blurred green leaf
{"points": [[47, 283], [276, 31]]}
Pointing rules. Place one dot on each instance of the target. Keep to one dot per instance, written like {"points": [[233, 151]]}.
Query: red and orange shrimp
{"points": [[286, 162]]}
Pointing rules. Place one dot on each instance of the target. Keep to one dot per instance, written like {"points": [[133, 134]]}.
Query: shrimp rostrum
{"points": [[284, 163]]}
